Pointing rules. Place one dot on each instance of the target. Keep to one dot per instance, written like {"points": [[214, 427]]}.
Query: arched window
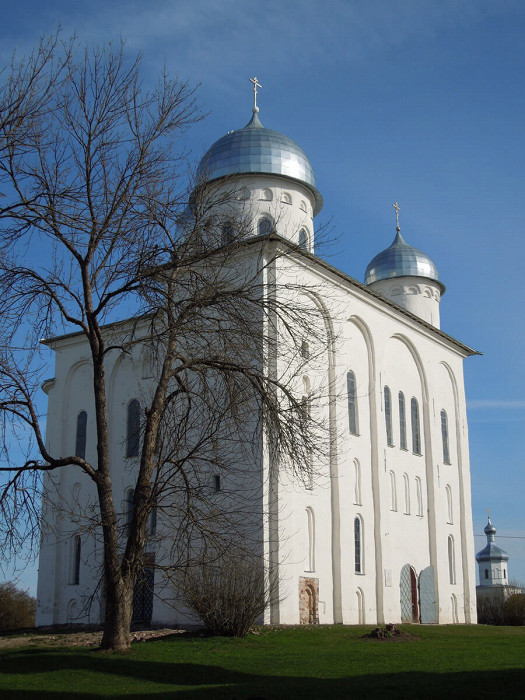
{"points": [[310, 524], [266, 195], [388, 417], [302, 206], [152, 521], [416, 434], [306, 410], [227, 233], [393, 492], [444, 437], [286, 198], [305, 350], [75, 563], [451, 560], [454, 604], [264, 226], [450, 512], [402, 422], [243, 194], [419, 497], [303, 239], [358, 546], [133, 429], [406, 484], [80, 442], [357, 483], [352, 404]]}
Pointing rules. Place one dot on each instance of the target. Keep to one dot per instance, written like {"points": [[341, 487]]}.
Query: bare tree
{"points": [[96, 225]]}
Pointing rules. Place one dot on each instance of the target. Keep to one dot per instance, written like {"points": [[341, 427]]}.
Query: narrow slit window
{"points": [[133, 429], [419, 496], [227, 233], [402, 422], [451, 560], [450, 512], [444, 437], [388, 417], [80, 442], [352, 404], [357, 483], [406, 483], [358, 546], [416, 433], [310, 524], [303, 239], [393, 492], [77, 552]]}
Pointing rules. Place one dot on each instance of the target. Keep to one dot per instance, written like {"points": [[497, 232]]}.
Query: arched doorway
{"points": [[408, 595], [311, 604], [308, 601]]}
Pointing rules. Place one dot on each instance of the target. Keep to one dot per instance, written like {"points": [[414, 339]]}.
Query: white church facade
{"points": [[384, 532]]}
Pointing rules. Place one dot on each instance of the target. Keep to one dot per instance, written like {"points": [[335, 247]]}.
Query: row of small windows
{"points": [[419, 497], [353, 416], [132, 431], [414, 422], [353, 419], [358, 543], [266, 195], [496, 574], [415, 425], [265, 226], [406, 491]]}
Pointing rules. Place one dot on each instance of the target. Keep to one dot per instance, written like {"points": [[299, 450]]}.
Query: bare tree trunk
{"points": [[117, 619]]}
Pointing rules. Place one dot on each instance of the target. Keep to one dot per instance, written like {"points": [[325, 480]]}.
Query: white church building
{"points": [[384, 533]]}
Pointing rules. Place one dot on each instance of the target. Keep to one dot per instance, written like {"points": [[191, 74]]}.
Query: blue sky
{"points": [[419, 102]]}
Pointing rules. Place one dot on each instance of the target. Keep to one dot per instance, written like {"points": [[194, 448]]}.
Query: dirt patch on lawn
{"points": [[75, 637], [390, 633]]}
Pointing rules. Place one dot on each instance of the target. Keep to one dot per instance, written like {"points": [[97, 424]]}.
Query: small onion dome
{"points": [[489, 528], [257, 150], [401, 260], [491, 552]]}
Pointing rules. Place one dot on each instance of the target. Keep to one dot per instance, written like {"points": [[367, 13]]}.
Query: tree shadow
{"points": [[199, 681]]}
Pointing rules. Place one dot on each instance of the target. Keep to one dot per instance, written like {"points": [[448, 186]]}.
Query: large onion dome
{"points": [[257, 150], [401, 260]]}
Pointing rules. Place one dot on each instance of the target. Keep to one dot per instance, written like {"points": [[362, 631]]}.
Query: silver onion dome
{"points": [[491, 551], [255, 149], [401, 260]]}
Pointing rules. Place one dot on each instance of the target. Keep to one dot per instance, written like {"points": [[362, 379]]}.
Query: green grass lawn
{"points": [[308, 662]]}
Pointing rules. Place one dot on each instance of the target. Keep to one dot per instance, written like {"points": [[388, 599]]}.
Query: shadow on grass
{"points": [[196, 682]]}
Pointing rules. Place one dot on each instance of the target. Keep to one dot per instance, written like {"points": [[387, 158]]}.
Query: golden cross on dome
{"points": [[256, 84], [397, 208]]}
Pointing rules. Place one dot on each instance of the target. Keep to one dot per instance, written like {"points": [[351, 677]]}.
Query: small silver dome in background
{"points": [[401, 260], [255, 149]]}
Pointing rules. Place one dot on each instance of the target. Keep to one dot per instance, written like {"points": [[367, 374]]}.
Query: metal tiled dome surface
{"points": [[255, 149], [401, 260], [492, 551]]}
